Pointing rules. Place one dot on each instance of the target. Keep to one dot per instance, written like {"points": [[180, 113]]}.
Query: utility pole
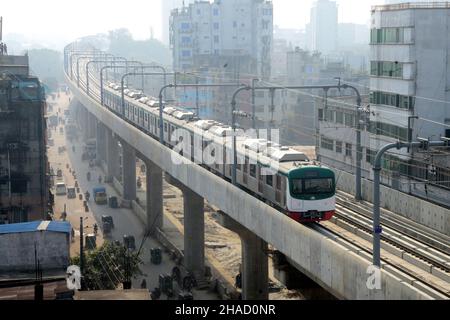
{"points": [[81, 254], [38, 286], [423, 144]]}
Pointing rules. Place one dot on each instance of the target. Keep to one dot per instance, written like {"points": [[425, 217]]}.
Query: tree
{"points": [[121, 43], [106, 267]]}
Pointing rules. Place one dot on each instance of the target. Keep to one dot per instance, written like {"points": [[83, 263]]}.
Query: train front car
{"points": [[311, 194]]}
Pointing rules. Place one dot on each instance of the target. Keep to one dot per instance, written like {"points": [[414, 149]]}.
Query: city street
{"points": [[126, 223]]}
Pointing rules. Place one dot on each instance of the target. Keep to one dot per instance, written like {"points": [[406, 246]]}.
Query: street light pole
{"points": [[233, 126], [254, 103], [377, 229]]}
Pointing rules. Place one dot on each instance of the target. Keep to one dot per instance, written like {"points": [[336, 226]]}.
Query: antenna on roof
{"points": [[1, 29]]}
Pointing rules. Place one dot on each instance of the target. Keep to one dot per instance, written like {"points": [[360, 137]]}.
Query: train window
{"points": [[297, 186], [269, 180], [253, 170], [279, 182], [318, 186], [261, 177], [246, 165]]}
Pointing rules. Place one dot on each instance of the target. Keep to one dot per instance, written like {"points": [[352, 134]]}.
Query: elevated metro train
{"points": [[280, 176]]}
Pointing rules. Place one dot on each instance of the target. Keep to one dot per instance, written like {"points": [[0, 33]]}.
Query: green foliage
{"points": [[147, 51], [106, 266]]}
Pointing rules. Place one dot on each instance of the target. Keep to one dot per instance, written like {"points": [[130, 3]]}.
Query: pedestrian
{"points": [[144, 284]]}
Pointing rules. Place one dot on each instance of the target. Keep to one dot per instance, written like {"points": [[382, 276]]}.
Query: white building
{"points": [[232, 28], [324, 26], [409, 77], [166, 8]]}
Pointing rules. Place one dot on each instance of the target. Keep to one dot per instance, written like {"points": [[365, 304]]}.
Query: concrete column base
{"points": [[154, 192], [255, 263], [112, 156], [194, 230]]}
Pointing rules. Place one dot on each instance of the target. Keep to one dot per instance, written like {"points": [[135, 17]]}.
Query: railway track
{"points": [[416, 254]]}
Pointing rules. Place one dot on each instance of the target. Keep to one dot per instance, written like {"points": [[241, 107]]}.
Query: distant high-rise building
{"points": [[324, 26], [231, 28]]}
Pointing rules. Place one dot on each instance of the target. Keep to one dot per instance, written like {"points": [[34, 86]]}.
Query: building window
{"points": [[392, 99], [269, 180], [388, 130], [338, 146], [348, 149], [216, 26], [327, 144], [339, 117], [387, 35], [386, 69], [234, 24], [349, 120], [320, 114], [370, 156], [329, 116], [186, 53], [216, 39], [215, 12]]}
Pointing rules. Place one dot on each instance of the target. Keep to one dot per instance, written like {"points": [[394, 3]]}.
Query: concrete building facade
{"points": [[230, 28], [23, 159], [19, 243], [410, 77]]}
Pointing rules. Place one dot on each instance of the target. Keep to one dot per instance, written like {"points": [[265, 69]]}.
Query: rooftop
{"points": [[35, 226], [411, 5]]}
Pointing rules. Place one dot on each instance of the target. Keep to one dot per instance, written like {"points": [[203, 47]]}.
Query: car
{"points": [[71, 193], [129, 242], [108, 219], [61, 189]]}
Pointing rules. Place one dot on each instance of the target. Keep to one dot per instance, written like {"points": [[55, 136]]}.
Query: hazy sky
{"points": [[59, 19]]}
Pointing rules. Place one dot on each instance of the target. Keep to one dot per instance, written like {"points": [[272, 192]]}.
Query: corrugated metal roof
{"points": [[35, 226]]}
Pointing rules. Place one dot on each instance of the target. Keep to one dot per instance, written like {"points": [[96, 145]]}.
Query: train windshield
{"points": [[312, 186]]}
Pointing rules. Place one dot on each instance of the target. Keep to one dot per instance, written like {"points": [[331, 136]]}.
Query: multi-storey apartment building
{"points": [[23, 161], [234, 28]]}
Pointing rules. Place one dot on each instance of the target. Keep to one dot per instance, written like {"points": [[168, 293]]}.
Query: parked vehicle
{"points": [[61, 189], [100, 196], [108, 219], [71, 193], [129, 242]]}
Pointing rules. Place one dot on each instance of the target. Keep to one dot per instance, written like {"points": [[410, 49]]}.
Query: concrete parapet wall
{"points": [[330, 264], [416, 209], [17, 251], [118, 186]]}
